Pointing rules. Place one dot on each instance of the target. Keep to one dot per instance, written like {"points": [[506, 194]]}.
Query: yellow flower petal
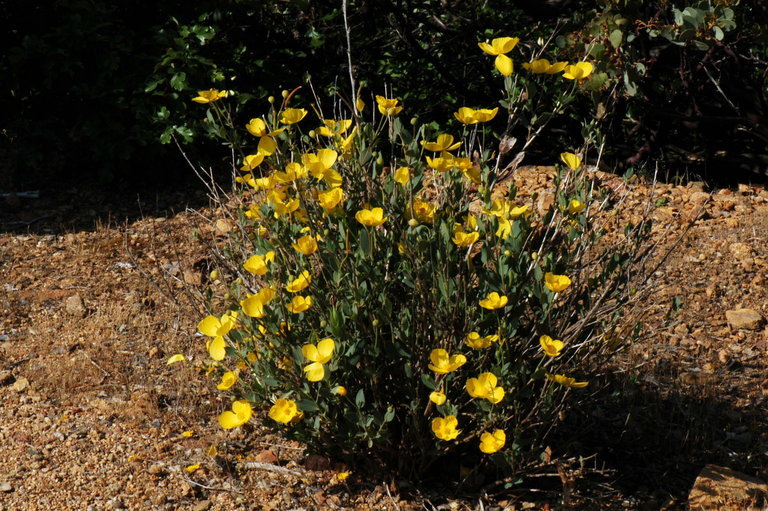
{"points": [[571, 160], [505, 65], [492, 442], [315, 371], [217, 348], [176, 358]]}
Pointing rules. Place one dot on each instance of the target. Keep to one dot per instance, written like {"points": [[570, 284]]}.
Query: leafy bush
{"points": [[391, 296]]}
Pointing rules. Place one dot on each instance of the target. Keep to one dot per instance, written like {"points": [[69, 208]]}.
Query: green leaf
{"points": [[179, 81], [307, 405], [616, 38], [428, 381], [360, 398], [719, 35]]}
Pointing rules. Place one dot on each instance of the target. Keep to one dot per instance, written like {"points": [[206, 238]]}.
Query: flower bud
{"points": [[312, 134], [534, 255], [323, 324], [215, 275], [507, 253], [271, 99], [380, 160], [414, 121], [285, 93], [376, 322], [413, 222]]}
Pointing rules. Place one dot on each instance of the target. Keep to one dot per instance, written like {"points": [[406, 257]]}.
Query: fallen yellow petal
{"points": [[176, 358]]}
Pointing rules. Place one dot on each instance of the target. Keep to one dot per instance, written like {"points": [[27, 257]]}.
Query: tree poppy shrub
{"points": [[391, 298]]}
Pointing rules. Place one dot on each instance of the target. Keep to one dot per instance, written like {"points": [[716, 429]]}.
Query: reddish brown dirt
{"points": [[92, 417]]}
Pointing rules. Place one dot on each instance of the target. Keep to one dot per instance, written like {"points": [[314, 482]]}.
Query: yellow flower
{"points": [[318, 355], [504, 229], [342, 476], [465, 239], [438, 397], [537, 66], [318, 164], [228, 379], [300, 304], [359, 104], [188, 433], [300, 283], [578, 71], [257, 264], [467, 115], [253, 305], [240, 414], [388, 106], [442, 163], [284, 410], [371, 217], [258, 128], [293, 171], [176, 358], [494, 301], [306, 245], [500, 45], [566, 381], [518, 211], [571, 160], [551, 347], [329, 199], [473, 340], [287, 207], [492, 442], [543, 66], [556, 283], [402, 175], [422, 211], [443, 363], [292, 115], [216, 328], [347, 144], [445, 428], [444, 143], [484, 387], [340, 390], [209, 96], [576, 206], [473, 174], [252, 161], [332, 128]]}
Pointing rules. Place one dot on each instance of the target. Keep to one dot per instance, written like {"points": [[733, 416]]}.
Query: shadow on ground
{"points": [[651, 439], [86, 206]]}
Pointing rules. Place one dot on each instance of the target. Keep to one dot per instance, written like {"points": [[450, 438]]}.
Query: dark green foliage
{"points": [[92, 87]]}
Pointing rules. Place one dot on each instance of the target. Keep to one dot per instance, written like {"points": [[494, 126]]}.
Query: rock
{"points": [[723, 489], [5, 486], [266, 456], [155, 469], [20, 385], [74, 306], [699, 198], [202, 505], [193, 278], [747, 319]]}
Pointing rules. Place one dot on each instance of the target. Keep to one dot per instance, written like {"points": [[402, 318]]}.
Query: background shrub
{"points": [[91, 95]]}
